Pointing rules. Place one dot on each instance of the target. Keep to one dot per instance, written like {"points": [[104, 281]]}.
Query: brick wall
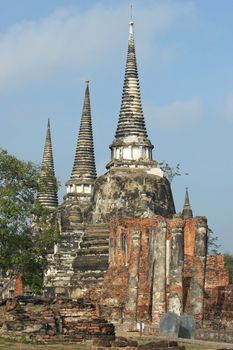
{"points": [[216, 274], [153, 267]]}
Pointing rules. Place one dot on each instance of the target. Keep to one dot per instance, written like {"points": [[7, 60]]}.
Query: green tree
{"points": [[170, 172], [21, 251], [228, 260], [212, 243]]}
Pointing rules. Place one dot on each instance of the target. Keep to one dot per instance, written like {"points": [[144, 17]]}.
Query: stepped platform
{"points": [[80, 260], [91, 261]]}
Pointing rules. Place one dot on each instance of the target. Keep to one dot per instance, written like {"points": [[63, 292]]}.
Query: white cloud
{"points": [[175, 114], [67, 39]]}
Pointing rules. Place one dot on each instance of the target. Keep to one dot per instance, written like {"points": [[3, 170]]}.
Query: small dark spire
{"points": [[187, 211], [84, 168], [47, 195]]}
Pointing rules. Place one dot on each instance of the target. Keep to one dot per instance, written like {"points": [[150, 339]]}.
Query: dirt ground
{"points": [[8, 345], [13, 345]]}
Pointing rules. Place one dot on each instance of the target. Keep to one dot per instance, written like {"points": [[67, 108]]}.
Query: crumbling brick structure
{"points": [[55, 320], [218, 301], [159, 265], [147, 257]]}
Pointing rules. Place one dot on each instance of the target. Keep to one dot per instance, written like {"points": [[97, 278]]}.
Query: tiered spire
{"points": [[131, 147], [48, 192], [131, 120], [187, 211], [84, 169]]}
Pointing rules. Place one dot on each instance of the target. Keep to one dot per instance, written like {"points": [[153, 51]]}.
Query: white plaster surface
{"points": [[155, 171]]}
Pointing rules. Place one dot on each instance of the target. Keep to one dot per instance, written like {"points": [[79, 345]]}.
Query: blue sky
{"points": [[184, 54]]}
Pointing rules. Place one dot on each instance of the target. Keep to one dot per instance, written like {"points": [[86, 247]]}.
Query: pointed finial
{"points": [[87, 83], [131, 12], [187, 197], [131, 23]]}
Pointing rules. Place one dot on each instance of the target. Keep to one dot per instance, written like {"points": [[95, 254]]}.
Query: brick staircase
{"points": [[80, 260], [92, 257], [61, 261]]}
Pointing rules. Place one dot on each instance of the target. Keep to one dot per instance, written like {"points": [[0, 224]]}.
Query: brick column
{"points": [[176, 266], [159, 271], [198, 271], [18, 287], [113, 238], [133, 270]]}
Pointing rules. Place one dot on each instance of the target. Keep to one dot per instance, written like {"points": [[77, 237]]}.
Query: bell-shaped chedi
{"points": [[133, 186], [47, 195]]}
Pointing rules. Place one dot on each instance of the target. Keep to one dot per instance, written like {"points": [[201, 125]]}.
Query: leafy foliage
{"points": [[170, 172], [20, 250], [212, 245], [228, 259]]}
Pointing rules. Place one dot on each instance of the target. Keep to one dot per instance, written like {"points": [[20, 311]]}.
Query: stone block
{"points": [[169, 325], [187, 326], [101, 343], [160, 345], [34, 328], [132, 343], [119, 344], [13, 326]]}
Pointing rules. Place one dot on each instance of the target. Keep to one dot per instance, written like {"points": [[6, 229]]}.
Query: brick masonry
{"points": [[148, 270], [60, 319], [18, 286], [158, 265]]}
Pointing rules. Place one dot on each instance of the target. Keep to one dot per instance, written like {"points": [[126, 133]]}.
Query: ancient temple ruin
{"points": [[121, 240]]}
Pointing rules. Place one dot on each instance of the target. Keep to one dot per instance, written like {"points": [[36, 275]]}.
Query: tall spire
{"points": [[47, 195], [187, 211], [131, 120], [84, 169], [131, 144]]}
